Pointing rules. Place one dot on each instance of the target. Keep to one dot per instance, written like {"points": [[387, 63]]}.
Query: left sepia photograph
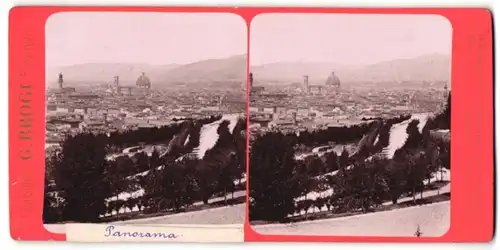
{"points": [[145, 119]]}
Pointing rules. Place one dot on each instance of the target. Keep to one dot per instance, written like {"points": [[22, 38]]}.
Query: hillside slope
{"points": [[225, 69], [431, 67], [206, 73]]}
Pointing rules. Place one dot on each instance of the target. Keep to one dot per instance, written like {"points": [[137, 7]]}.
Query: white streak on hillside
{"points": [[209, 135], [398, 135]]}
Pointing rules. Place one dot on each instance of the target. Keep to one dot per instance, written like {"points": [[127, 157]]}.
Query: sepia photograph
{"points": [[349, 124], [145, 119]]}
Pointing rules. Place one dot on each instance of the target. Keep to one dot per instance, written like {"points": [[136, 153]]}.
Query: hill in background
{"points": [[431, 68], [232, 71], [206, 71]]}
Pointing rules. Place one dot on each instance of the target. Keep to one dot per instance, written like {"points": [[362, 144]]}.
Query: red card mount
{"points": [[472, 199], [472, 122]]}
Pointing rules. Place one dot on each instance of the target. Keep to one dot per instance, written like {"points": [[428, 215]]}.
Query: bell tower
{"points": [[60, 81]]}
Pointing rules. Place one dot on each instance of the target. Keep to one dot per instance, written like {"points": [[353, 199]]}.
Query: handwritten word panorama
{"points": [[111, 231]]}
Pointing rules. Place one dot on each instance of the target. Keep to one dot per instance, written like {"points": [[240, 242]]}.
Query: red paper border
{"points": [[472, 120]]}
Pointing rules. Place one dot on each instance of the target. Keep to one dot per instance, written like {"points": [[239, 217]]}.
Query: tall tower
{"points": [[116, 82], [294, 118], [410, 104], [445, 95], [60, 80], [251, 80], [306, 83], [221, 98], [105, 118], [275, 113]]}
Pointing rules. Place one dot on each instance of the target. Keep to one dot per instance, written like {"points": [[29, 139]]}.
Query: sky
{"points": [[152, 38], [351, 39]]}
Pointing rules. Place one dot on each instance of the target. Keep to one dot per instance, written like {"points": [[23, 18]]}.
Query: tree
{"points": [[194, 136], [273, 185], [447, 113], [152, 190], [344, 160], [154, 160], [321, 184], [206, 179], [415, 176], [414, 137], [225, 181], [81, 177], [444, 154], [396, 179], [123, 166], [298, 208], [319, 203], [384, 135], [423, 163], [305, 205], [328, 203], [340, 185], [233, 170], [225, 137], [52, 204], [431, 150], [227, 158], [142, 162], [331, 162], [239, 135], [304, 181], [366, 186], [443, 119], [314, 165], [131, 203], [177, 187]]}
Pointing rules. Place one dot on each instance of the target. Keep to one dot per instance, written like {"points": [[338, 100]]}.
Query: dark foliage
{"points": [[86, 181], [273, 183], [360, 184]]}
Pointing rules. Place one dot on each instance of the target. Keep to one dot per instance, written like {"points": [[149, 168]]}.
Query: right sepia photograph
{"points": [[349, 124]]}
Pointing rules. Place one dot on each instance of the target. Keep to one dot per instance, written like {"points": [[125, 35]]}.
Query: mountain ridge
{"points": [[428, 67], [231, 68]]}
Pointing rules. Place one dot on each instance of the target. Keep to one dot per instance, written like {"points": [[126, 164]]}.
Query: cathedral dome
{"points": [[143, 81], [333, 80]]}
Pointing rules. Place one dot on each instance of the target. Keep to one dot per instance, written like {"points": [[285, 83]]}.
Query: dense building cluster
{"points": [[117, 107], [296, 108]]}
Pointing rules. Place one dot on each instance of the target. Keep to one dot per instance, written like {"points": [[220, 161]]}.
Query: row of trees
{"points": [[84, 180], [277, 179]]}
